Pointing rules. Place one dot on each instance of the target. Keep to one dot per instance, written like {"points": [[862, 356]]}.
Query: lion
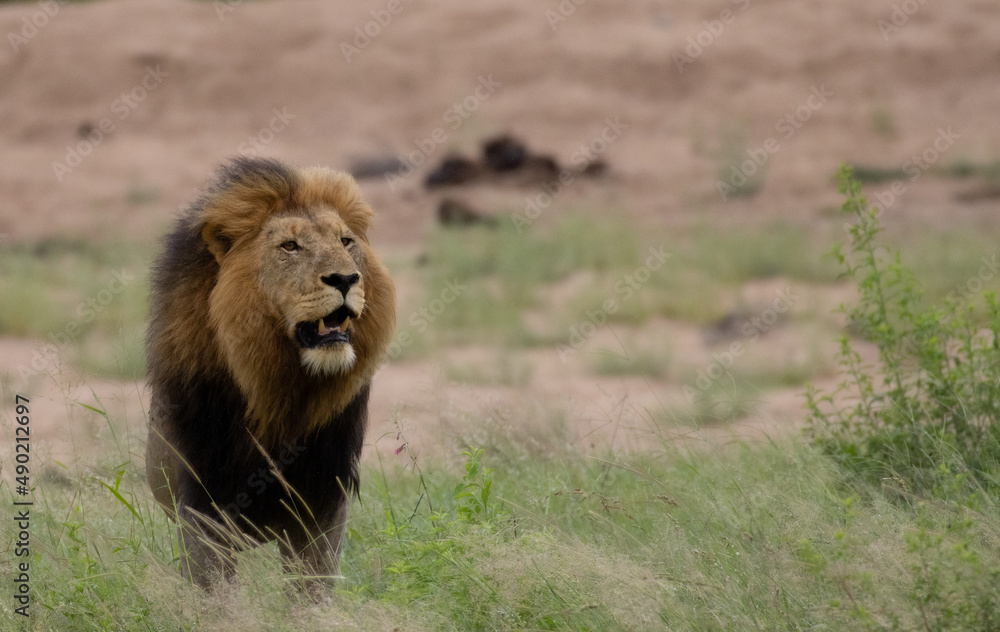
{"points": [[269, 316]]}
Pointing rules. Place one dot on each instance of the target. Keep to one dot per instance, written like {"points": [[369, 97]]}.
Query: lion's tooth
{"points": [[322, 327], [343, 325]]}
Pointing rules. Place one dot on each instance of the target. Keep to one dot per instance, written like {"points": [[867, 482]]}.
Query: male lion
{"points": [[269, 316]]}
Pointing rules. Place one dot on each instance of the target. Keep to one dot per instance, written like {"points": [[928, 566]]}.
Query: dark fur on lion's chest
{"points": [[234, 476]]}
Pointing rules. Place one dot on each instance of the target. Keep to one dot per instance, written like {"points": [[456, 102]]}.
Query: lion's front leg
{"points": [[315, 554], [204, 559]]}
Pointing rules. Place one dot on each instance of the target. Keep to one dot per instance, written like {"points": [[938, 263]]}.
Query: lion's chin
{"points": [[329, 360]]}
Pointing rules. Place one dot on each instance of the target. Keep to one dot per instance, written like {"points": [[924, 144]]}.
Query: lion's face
{"points": [[310, 273]]}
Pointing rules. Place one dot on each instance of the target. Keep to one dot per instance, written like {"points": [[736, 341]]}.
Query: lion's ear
{"points": [[218, 243]]}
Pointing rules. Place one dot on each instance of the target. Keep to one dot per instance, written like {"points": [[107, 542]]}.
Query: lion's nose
{"points": [[342, 282]]}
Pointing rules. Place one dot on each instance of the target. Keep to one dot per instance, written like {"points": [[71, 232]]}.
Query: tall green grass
{"points": [[766, 537]]}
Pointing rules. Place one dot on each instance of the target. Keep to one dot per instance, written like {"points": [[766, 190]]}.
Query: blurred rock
{"points": [[375, 166], [454, 213], [595, 169], [454, 169], [506, 160], [504, 153], [980, 192]]}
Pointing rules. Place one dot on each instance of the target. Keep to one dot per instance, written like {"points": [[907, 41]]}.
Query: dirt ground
{"points": [[104, 102]]}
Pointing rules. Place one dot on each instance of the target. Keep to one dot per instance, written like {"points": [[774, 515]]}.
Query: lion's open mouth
{"points": [[330, 329]]}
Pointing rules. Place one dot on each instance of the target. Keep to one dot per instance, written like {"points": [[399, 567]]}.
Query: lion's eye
{"points": [[347, 241], [290, 246]]}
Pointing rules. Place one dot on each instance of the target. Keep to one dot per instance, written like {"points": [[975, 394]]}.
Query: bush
{"points": [[929, 407]]}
